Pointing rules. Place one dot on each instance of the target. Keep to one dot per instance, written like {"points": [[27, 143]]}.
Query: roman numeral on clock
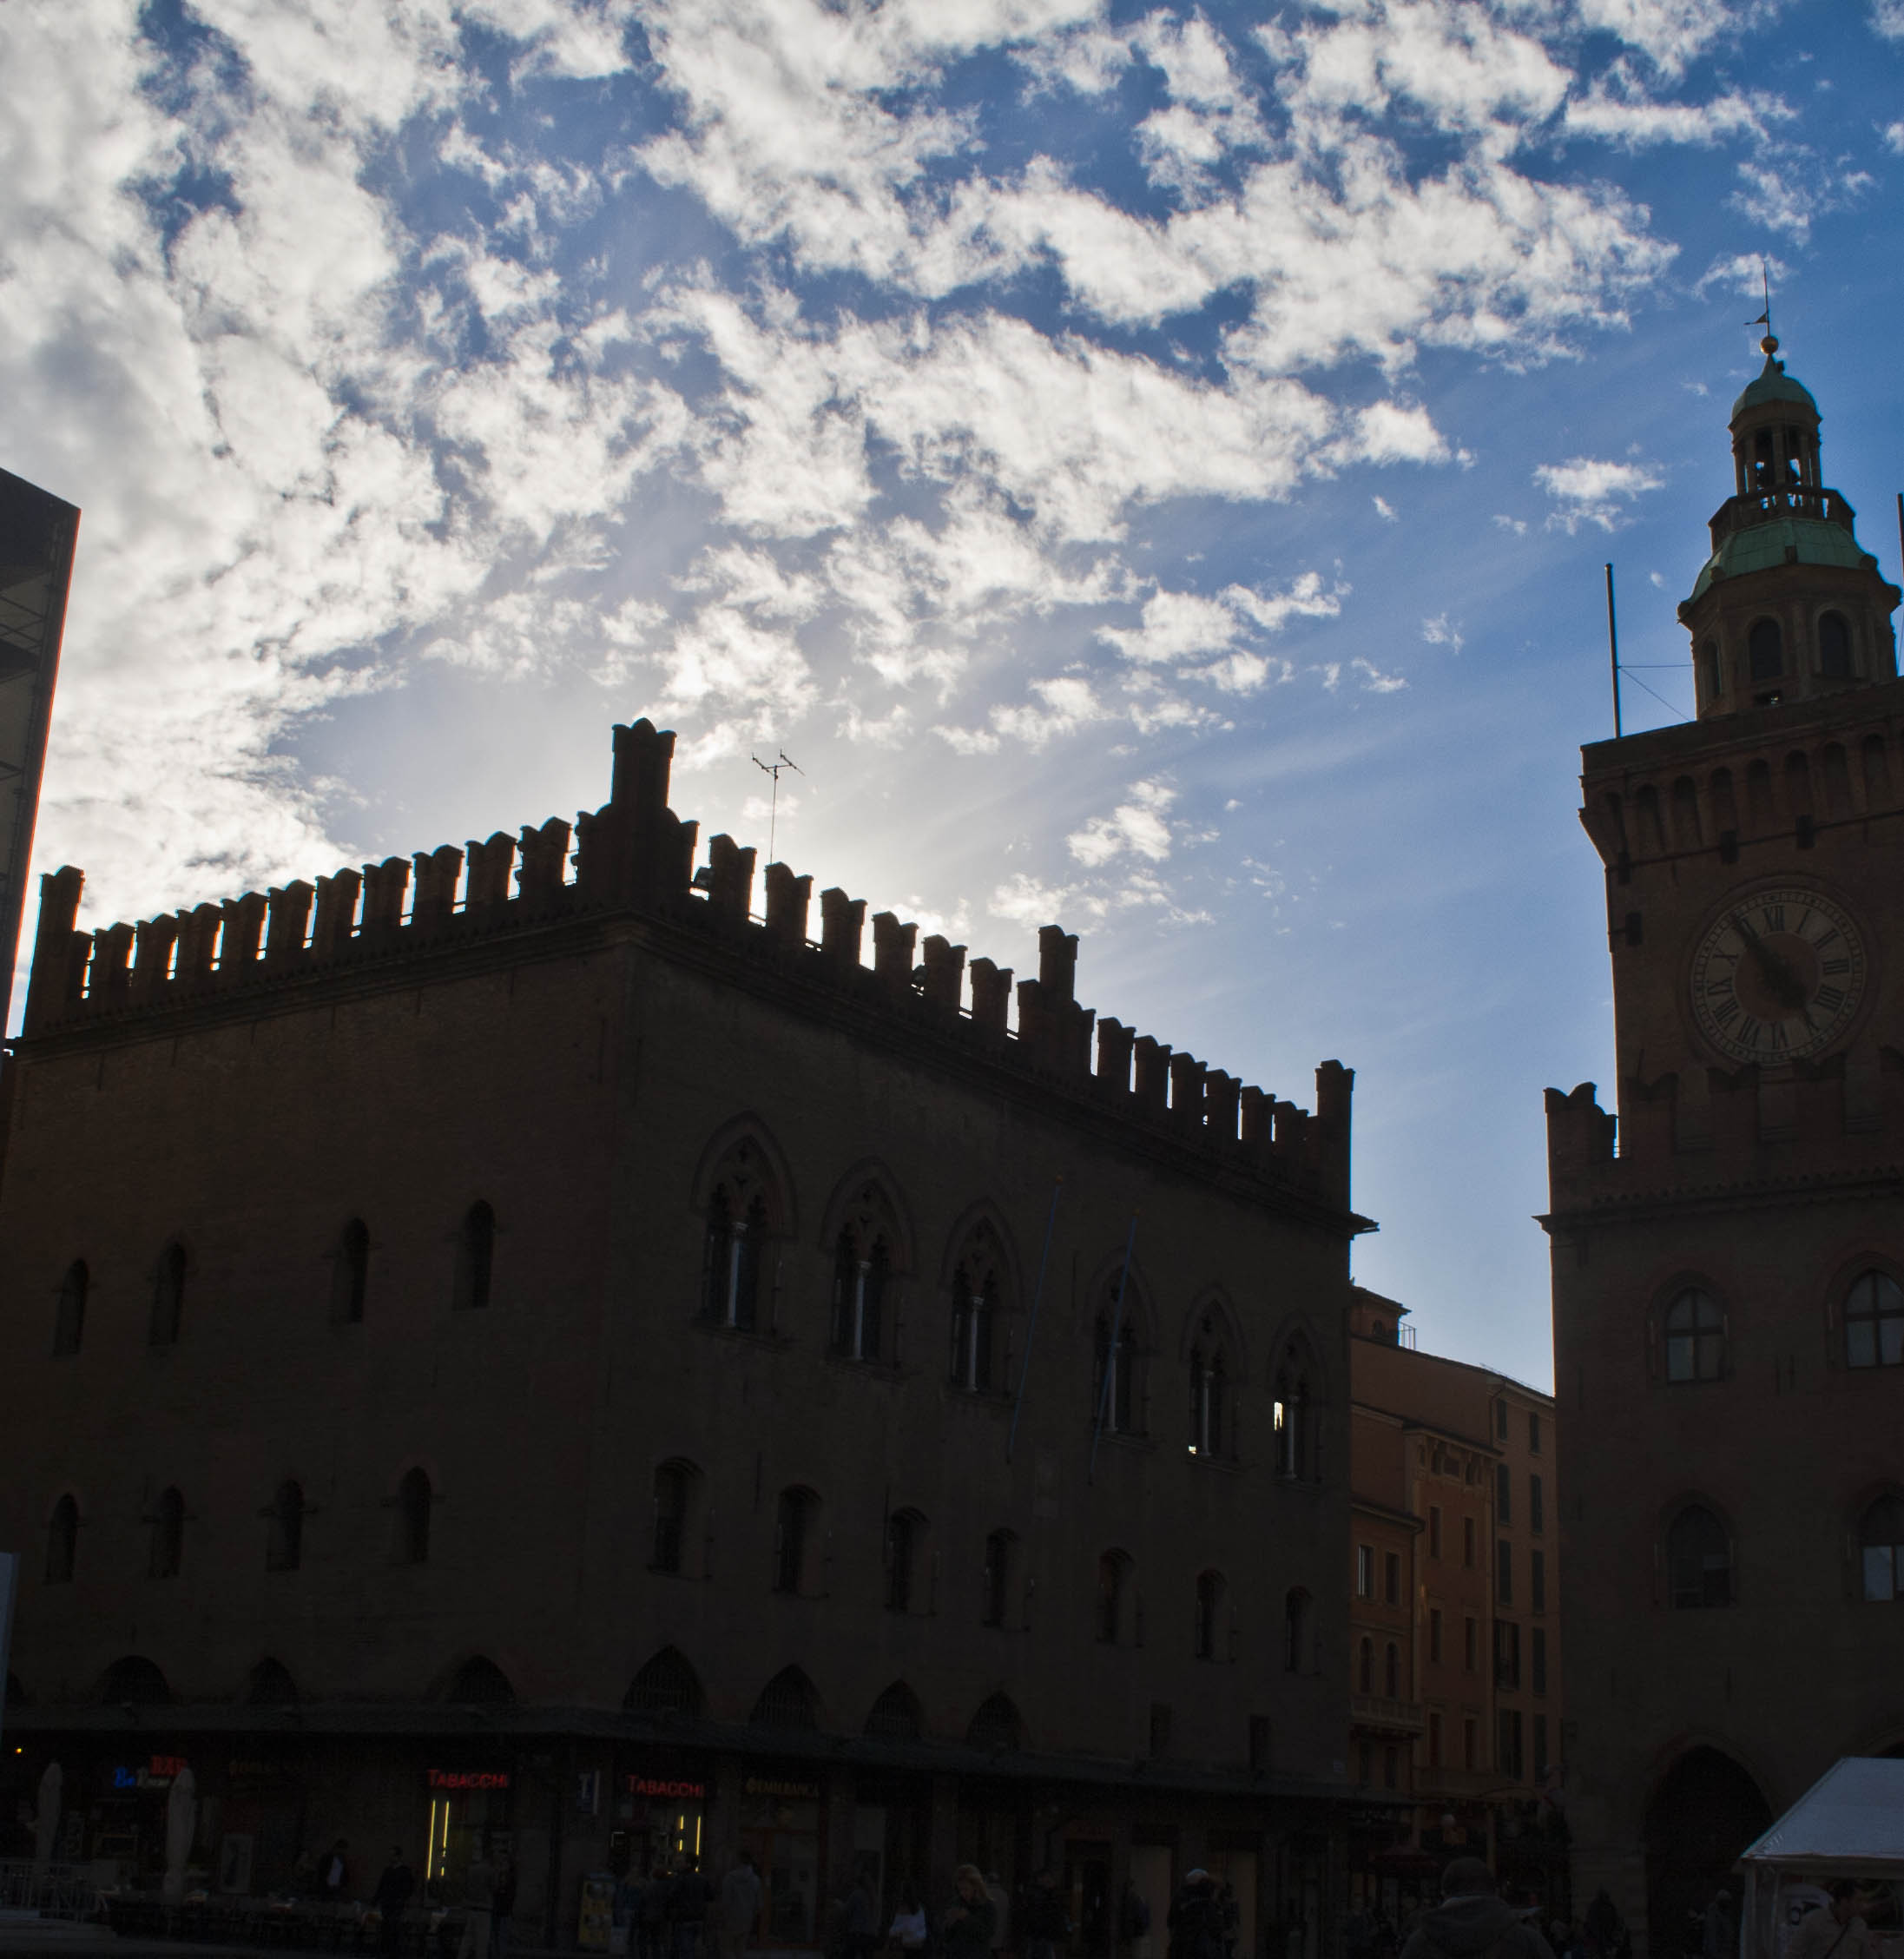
{"points": [[1831, 998]]}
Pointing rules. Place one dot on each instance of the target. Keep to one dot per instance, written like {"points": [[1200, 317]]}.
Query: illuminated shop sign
{"points": [[786, 1791], [158, 1773], [459, 1782], [666, 1788]]}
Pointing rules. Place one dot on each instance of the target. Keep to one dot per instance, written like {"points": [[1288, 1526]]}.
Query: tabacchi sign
{"points": [[458, 1781]]}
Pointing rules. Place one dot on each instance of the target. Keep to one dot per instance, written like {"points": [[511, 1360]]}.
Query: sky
{"points": [[1150, 467]]}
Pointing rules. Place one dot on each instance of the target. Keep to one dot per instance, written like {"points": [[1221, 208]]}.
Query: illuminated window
{"points": [[1873, 1322]]}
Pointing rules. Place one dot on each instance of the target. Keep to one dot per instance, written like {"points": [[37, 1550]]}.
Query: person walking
{"points": [[334, 1878], [688, 1898], [394, 1885], [1196, 1920], [1471, 1922], [478, 1907], [909, 1931], [969, 1919], [740, 1906]]}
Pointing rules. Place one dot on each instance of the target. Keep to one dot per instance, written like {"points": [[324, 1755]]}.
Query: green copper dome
{"points": [[1761, 545], [1774, 384]]}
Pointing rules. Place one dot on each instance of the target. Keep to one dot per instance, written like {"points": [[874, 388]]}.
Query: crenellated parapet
{"points": [[635, 857]]}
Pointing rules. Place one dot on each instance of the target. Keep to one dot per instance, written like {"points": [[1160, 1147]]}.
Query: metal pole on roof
{"points": [[1613, 651], [1030, 1331], [1111, 1355]]}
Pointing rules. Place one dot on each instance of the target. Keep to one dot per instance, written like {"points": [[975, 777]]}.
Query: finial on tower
{"points": [[1768, 346]]}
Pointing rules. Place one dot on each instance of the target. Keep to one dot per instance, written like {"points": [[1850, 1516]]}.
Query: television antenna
{"points": [[773, 769]]}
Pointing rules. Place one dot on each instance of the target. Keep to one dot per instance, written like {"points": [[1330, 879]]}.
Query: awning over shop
{"points": [[1850, 1823]]}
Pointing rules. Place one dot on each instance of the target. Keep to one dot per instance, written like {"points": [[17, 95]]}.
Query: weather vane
{"points": [[1768, 346], [773, 769]]}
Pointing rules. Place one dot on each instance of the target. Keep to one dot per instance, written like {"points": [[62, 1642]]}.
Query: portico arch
{"points": [[1702, 1811]]}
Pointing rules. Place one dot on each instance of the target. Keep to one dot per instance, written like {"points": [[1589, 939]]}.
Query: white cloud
{"points": [[1588, 491], [1438, 631], [1138, 827], [1893, 138], [1386, 511], [1743, 273], [1887, 18], [1618, 108]]}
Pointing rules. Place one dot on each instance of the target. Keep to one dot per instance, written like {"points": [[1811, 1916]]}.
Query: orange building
{"points": [[1453, 1614]]}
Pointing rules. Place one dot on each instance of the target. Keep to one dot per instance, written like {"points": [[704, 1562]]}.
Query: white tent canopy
{"points": [[1849, 1824]]}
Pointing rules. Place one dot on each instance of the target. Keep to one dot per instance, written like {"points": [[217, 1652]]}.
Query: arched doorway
{"points": [[1705, 1811]]}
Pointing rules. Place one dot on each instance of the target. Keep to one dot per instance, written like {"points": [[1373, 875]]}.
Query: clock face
{"points": [[1778, 975]]}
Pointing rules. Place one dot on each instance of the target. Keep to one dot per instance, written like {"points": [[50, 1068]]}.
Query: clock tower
{"points": [[1729, 1251]]}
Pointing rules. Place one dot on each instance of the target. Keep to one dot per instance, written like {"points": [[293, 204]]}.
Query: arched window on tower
{"points": [[475, 1256], [1881, 1549], [414, 1500], [165, 1547], [350, 1272], [1695, 1330], [284, 1539], [794, 1531], [63, 1541], [1765, 649], [1114, 1569], [1295, 1630], [168, 1296], [1873, 1322], [1834, 647], [70, 1315], [1698, 1559]]}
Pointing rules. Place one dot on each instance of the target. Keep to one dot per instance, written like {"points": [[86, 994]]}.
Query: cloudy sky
{"points": [[1149, 466]]}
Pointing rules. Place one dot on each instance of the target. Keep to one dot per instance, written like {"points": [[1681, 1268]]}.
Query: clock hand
{"points": [[1784, 983]]}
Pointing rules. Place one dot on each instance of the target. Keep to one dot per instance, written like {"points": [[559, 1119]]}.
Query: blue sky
{"points": [[1150, 467]]}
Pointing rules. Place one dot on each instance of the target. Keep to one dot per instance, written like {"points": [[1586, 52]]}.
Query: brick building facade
{"points": [[1729, 1322], [511, 1340]]}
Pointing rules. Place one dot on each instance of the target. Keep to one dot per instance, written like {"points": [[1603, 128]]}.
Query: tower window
{"points": [[70, 1317], [999, 1548], [1698, 1559], [1880, 1545], [904, 1558], [1873, 1322], [1695, 1338], [414, 1498], [1115, 1397], [168, 1296], [1210, 1596], [792, 1538], [475, 1256], [1765, 649], [284, 1542], [1295, 1630], [350, 1272], [1714, 674], [168, 1544], [1113, 1587], [1834, 647]]}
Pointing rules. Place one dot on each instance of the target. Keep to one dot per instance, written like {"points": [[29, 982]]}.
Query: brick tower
{"points": [[1729, 1322]]}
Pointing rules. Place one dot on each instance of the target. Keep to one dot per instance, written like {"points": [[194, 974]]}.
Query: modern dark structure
{"points": [[513, 1341], [1729, 1267], [37, 534]]}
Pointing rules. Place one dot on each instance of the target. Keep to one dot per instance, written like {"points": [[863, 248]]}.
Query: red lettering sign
{"points": [[669, 1792], [461, 1781], [167, 1765]]}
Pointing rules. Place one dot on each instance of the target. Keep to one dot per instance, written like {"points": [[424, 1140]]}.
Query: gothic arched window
{"points": [[1294, 1412], [1873, 1322], [1694, 1330], [1210, 1393], [863, 1260], [742, 1213], [1116, 1400], [978, 1299], [1698, 1559]]}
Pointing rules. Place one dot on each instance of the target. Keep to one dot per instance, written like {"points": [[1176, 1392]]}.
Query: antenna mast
{"points": [[773, 769]]}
